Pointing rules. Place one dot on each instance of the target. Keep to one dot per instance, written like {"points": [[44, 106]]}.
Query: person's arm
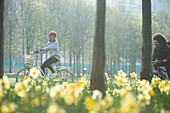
{"points": [[51, 47], [168, 57], [167, 47], [154, 55], [42, 51]]}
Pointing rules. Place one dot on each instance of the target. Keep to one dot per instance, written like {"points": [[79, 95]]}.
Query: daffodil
{"points": [[68, 97], [65, 85], [122, 81], [8, 107], [134, 75], [120, 72], [53, 108], [164, 86], [27, 79], [12, 107], [38, 80], [34, 72], [139, 83], [123, 92], [20, 91], [116, 92], [4, 108], [97, 95], [55, 79], [129, 104], [106, 103], [33, 82], [55, 92], [92, 105], [1, 92], [72, 93], [36, 101], [45, 83], [144, 99], [25, 85], [38, 88], [115, 75], [82, 82], [6, 82]]}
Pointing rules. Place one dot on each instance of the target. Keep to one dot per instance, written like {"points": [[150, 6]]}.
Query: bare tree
{"points": [[98, 66], [147, 40], [1, 38]]}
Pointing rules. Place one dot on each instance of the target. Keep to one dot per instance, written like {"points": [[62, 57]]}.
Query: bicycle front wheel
{"points": [[22, 73], [66, 75]]}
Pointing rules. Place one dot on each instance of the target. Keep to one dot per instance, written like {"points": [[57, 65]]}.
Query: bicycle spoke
{"points": [[66, 75], [22, 73]]}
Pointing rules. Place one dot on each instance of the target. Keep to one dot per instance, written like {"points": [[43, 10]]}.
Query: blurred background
{"points": [[27, 24]]}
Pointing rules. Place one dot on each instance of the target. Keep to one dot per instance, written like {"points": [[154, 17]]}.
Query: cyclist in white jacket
{"points": [[53, 48]]}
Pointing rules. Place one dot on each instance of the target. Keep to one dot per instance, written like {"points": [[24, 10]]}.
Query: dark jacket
{"points": [[161, 53]]}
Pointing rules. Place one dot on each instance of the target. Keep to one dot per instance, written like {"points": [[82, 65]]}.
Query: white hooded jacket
{"points": [[53, 49]]}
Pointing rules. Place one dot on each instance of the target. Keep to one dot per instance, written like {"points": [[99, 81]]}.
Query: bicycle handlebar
{"points": [[36, 52], [157, 62]]}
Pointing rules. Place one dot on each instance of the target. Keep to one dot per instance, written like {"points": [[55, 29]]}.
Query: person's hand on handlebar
{"points": [[42, 49], [35, 52], [164, 60]]}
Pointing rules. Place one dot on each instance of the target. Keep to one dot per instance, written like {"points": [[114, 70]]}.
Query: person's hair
{"points": [[160, 38]]}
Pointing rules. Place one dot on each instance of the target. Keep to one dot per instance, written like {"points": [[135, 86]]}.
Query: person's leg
{"points": [[48, 63], [51, 69], [43, 66]]}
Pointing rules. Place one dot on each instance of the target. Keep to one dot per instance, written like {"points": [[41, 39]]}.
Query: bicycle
{"points": [[30, 61], [160, 72]]}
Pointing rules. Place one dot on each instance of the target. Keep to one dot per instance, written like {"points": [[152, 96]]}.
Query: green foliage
{"points": [[39, 96]]}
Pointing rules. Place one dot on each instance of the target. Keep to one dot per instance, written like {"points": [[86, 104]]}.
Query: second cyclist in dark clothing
{"points": [[161, 52]]}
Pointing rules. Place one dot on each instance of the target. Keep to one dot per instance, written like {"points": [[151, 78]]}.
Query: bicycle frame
{"points": [[159, 71], [35, 63], [161, 74]]}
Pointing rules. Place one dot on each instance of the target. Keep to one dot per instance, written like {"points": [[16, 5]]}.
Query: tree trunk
{"points": [[10, 47], [74, 65], [98, 66], [78, 66], [134, 61], [89, 61], [70, 59], [27, 44], [123, 59], [118, 59], [107, 66], [115, 65], [147, 40], [1, 38], [23, 38], [126, 62], [111, 67], [129, 64], [83, 62], [64, 55]]}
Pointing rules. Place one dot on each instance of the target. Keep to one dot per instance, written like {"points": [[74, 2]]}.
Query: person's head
{"points": [[159, 39], [52, 35]]}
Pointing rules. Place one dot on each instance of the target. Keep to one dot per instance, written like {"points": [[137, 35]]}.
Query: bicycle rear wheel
{"points": [[22, 73], [162, 74], [66, 74]]}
